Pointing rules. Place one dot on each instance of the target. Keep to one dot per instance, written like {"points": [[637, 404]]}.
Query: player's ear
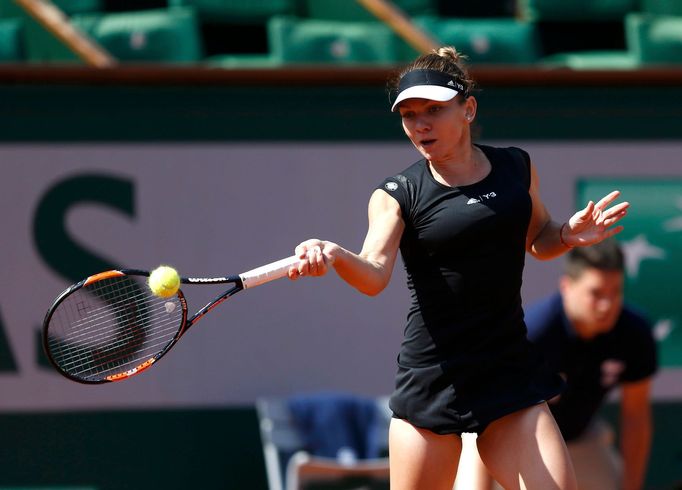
{"points": [[470, 106], [564, 284]]}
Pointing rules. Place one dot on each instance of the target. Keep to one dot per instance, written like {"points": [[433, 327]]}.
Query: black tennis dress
{"points": [[465, 359]]}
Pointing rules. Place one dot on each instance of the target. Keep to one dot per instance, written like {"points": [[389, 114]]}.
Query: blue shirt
{"points": [[591, 367]]}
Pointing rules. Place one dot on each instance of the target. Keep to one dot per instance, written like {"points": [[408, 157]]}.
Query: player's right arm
{"points": [[370, 270]]}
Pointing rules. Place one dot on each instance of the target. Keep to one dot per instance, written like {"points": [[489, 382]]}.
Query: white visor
{"points": [[430, 92]]}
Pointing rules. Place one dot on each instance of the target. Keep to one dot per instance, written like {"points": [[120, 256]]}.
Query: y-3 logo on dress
{"points": [[481, 198]]}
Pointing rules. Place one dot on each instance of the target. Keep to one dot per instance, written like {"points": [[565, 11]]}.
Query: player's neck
{"points": [[468, 166]]}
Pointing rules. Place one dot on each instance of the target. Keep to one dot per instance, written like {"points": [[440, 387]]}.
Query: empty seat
{"points": [[576, 10], [11, 45], [294, 40], [661, 7], [8, 8], [243, 61], [319, 440], [351, 10], [654, 39], [165, 35], [37, 44], [594, 60], [237, 11], [487, 40]]}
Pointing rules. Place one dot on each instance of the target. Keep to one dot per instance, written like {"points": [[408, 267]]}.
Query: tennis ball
{"points": [[164, 281]]}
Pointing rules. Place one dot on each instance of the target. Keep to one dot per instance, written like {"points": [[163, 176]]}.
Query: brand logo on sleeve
{"points": [[391, 186]]}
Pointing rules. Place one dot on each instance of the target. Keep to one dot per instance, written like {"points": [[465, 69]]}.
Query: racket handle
{"points": [[268, 272]]}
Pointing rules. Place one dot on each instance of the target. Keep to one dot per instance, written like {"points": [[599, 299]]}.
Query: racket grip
{"points": [[268, 272]]}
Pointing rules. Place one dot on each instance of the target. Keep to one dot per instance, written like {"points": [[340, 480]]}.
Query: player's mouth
{"points": [[427, 143]]}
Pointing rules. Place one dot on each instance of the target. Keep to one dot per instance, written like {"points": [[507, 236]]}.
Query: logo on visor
{"points": [[451, 83]]}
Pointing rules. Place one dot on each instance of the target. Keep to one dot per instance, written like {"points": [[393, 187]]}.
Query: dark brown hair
{"points": [[604, 256]]}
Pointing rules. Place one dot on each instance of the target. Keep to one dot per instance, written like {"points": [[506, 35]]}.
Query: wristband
{"points": [[561, 237]]}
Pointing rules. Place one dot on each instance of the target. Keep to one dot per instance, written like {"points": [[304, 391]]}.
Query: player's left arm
{"points": [[542, 238], [546, 239], [636, 432]]}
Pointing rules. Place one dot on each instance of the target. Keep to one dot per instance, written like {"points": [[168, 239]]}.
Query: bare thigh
{"points": [[471, 473], [421, 459], [525, 450]]}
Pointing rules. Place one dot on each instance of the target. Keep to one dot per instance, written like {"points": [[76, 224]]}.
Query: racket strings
{"points": [[81, 355], [111, 326], [88, 327], [129, 349]]}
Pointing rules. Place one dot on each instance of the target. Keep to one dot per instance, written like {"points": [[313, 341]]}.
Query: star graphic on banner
{"points": [[663, 328], [637, 250], [674, 224]]}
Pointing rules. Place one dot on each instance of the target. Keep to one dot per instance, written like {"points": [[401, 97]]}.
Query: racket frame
{"points": [[185, 323], [249, 279]]}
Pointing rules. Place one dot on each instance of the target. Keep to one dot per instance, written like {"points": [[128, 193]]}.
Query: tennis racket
{"points": [[110, 326]]}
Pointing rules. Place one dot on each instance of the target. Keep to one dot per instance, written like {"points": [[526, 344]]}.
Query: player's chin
{"points": [[427, 153]]}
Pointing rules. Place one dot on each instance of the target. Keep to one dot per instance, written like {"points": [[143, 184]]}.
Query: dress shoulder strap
{"points": [[521, 160]]}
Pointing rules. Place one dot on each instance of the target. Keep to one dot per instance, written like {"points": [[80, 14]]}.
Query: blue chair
{"points": [[296, 456]]}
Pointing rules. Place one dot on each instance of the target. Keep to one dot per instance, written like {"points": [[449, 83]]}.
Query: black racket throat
{"points": [[212, 304], [236, 280]]}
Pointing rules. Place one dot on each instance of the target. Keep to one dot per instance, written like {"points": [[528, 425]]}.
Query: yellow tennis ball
{"points": [[164, 281]]}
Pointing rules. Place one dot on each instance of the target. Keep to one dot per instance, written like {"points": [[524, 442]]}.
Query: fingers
{"points": [[615, 214], [313, 261], [606, 200], [584, 213], [618, 209]]}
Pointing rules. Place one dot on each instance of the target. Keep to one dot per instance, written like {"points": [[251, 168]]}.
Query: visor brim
{"points": [[430, 92]]}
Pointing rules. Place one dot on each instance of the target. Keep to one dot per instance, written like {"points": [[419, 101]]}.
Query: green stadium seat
{"points": [[243, 61], [71, 7], [661, 7], [11, 45], [238, 11], [294, 40], [165, 35], [502, 41], [8, 8], [576, 10], [351, 10], [654, 39], [593, 60]]}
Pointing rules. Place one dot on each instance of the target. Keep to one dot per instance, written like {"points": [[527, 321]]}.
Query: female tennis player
{"points": [[463, 218]]}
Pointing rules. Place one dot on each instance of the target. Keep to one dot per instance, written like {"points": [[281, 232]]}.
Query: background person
{"points": [[597, 343]]}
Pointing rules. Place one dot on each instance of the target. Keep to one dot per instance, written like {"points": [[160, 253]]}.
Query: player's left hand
{"points": [[595, 222]]}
